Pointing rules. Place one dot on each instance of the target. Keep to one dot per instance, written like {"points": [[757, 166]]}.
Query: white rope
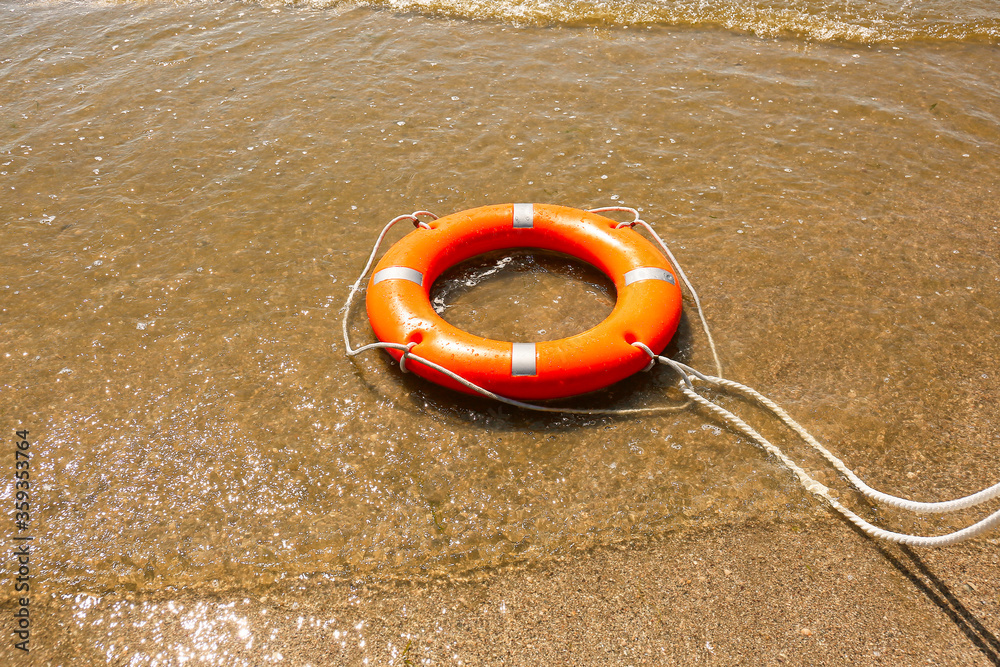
{"points": [[687, 388], [677, 265], [694, 294], [878, 496], [822, 492], [410, 356], [413, 217]]}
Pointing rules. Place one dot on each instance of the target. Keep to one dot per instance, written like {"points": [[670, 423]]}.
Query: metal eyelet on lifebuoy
{"points": [[648, 308]]}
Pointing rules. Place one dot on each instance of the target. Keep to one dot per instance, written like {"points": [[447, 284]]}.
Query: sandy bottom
{"points": [[820, 593]]}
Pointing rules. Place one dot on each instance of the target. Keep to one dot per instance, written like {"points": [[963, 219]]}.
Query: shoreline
{"points": [[752, 593]]}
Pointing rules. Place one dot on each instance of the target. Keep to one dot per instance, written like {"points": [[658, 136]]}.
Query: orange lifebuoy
{"points": [[647, 310]]}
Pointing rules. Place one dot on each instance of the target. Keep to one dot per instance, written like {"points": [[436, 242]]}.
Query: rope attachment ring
{"points": [[623, 209], [405, 355], [645, 348], [417, 222]]}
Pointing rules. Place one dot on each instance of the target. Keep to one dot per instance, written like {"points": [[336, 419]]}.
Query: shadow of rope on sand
{"points": [[938, 592]]}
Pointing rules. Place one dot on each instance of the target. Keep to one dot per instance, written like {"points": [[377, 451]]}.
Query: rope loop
{"points": [[402, 359], [645, 348], [624, 209], [417, 222]]}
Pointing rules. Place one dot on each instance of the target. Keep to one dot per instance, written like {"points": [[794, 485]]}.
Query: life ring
{"points": [[648, 308]]}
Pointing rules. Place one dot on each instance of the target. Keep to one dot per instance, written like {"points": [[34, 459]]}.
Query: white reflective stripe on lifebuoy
{"points": [[648, 273], [522, 359], [524, 216], [398, 273]]}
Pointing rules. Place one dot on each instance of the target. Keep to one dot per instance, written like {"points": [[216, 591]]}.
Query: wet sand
{"points": [[816, 592]]}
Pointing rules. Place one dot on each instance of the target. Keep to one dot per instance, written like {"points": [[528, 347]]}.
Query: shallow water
{"points": [[190, 191], [864, 22]]}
